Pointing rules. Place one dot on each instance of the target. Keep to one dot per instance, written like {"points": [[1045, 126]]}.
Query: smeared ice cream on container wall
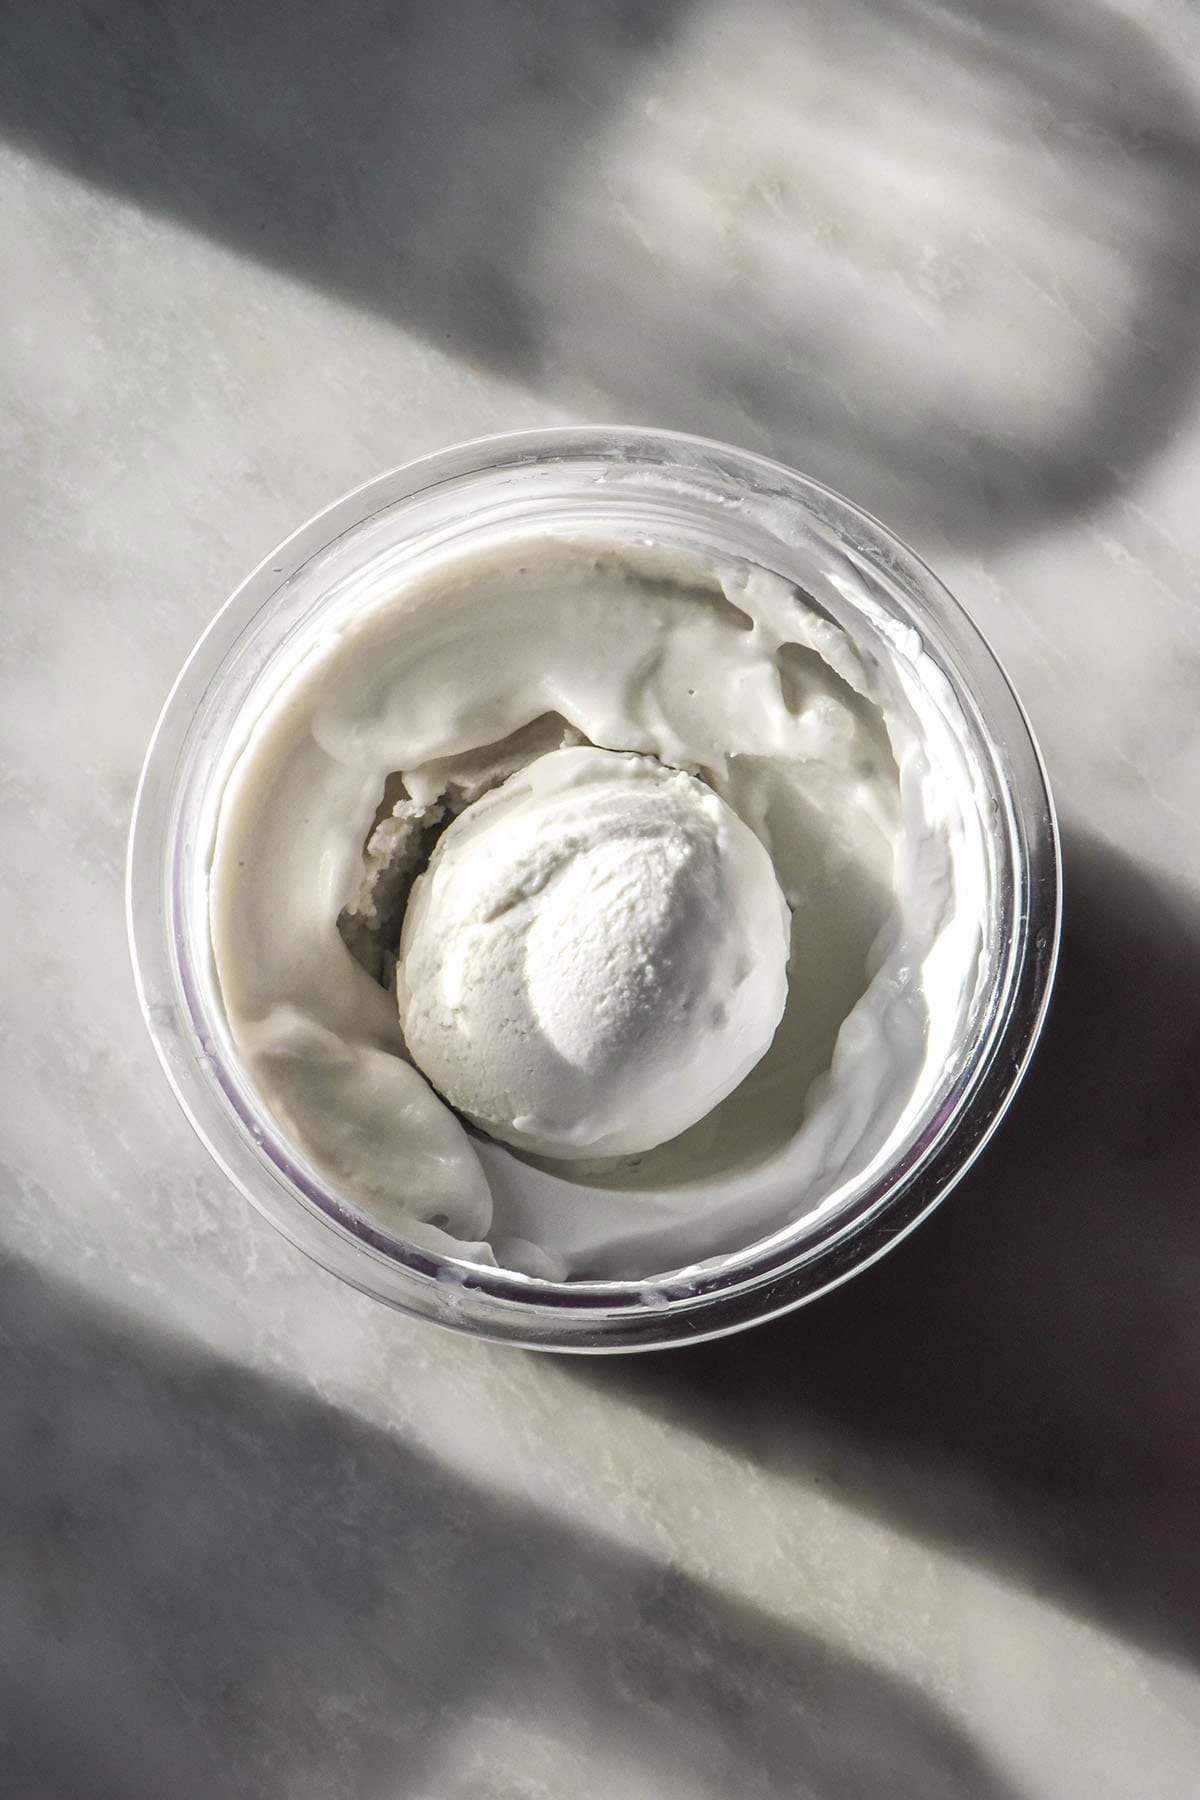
{"points": [[606, 875]]}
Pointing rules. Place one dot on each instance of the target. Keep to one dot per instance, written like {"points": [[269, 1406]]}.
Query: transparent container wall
{"points": [[629, 485]]}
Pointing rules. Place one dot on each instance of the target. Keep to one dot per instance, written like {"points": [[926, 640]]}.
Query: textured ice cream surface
{"points": [[595, 957], [407, 827], [824, 731]]}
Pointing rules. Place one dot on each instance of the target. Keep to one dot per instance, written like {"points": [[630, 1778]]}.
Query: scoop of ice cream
{"points": [[595, 957]]}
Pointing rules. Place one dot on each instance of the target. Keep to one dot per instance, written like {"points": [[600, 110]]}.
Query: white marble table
{"points": [[937, 1536]]}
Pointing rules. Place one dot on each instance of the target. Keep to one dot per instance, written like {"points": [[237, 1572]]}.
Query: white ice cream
{"points": [[812, 733], [595, 958]]}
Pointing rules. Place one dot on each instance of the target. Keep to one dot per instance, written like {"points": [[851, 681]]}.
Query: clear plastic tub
{"points": [[721, 500]]}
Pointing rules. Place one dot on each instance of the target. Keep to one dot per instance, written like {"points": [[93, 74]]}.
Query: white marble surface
{"points": [[935, 1536]]}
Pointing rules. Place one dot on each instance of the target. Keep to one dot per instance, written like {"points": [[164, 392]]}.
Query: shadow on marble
{"points": [[944, 257], [1017, 1380], [217, 1585]]}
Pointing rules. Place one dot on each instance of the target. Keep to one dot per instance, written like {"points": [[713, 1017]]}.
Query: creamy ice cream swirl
{"points": [[833, 745]]}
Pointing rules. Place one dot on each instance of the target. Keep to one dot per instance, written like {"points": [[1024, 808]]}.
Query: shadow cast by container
{"points": [[1017, 1380]]}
